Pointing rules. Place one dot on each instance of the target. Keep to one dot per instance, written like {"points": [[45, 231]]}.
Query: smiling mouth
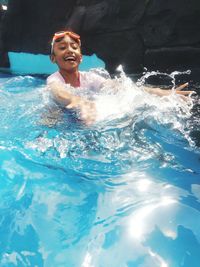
{"points": [[70, 59]]}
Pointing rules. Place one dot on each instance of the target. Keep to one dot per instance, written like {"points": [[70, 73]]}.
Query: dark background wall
{"points": [[157, 34]]}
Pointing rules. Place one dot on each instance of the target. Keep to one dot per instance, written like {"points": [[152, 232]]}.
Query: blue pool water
{"points": [[122, 193], [26, 63]]}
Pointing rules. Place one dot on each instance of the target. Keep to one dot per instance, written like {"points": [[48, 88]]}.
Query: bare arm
{"points": [[67, 100], [61, 95], [161, 92]]}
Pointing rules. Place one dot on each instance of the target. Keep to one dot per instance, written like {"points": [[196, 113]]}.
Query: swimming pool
{"points": [[122, 193]]}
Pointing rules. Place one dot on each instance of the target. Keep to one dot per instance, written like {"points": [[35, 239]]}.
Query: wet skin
{"points": [[67, 55]]}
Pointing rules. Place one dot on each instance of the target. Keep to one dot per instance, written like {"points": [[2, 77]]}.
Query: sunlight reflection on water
{"points": [[124, 192]]}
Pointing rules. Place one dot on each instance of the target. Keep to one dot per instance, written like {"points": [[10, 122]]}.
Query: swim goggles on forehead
{"points": [[61, 34]]}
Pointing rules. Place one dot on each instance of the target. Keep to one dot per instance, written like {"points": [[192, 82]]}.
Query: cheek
{"points": [[80, 58]]}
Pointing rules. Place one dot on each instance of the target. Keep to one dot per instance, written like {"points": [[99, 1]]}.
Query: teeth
{"points": [[69, 58]]}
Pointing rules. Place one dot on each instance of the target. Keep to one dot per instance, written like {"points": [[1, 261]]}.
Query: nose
{"points": [[69, 49]]}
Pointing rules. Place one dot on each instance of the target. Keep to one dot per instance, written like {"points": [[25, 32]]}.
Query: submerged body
{"points": [[117, 194], [89, 81]]}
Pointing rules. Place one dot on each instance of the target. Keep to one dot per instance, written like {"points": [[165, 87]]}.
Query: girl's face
{"points": [[66, 54]]}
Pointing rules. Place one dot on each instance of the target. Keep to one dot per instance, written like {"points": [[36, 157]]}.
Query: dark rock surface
{"points": [[156, 34]]}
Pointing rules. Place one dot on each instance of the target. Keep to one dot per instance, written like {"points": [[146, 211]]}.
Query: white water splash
{"points": [[126, 97]]}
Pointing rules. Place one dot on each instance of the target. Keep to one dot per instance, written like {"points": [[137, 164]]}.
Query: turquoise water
{"points": [[124, 192], [25, 63]]}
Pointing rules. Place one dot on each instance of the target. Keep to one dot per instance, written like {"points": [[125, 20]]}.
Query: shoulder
{"points": [[55, 77]]}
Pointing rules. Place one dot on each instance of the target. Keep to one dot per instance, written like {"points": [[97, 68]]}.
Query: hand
{"points": [[86, 109], [184, 93], [162, 92]]}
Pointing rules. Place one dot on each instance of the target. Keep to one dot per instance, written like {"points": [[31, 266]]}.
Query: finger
{"points": [[88, 118], [89, 121], [186, 93], [185, 98], [70, 106], [182, 86]]}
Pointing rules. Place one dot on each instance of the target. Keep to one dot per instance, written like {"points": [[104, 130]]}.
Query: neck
{"points": [[71, 78]]}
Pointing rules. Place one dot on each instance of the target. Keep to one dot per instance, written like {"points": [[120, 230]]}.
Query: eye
{"points": [[62, 47], [74, 45]]}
